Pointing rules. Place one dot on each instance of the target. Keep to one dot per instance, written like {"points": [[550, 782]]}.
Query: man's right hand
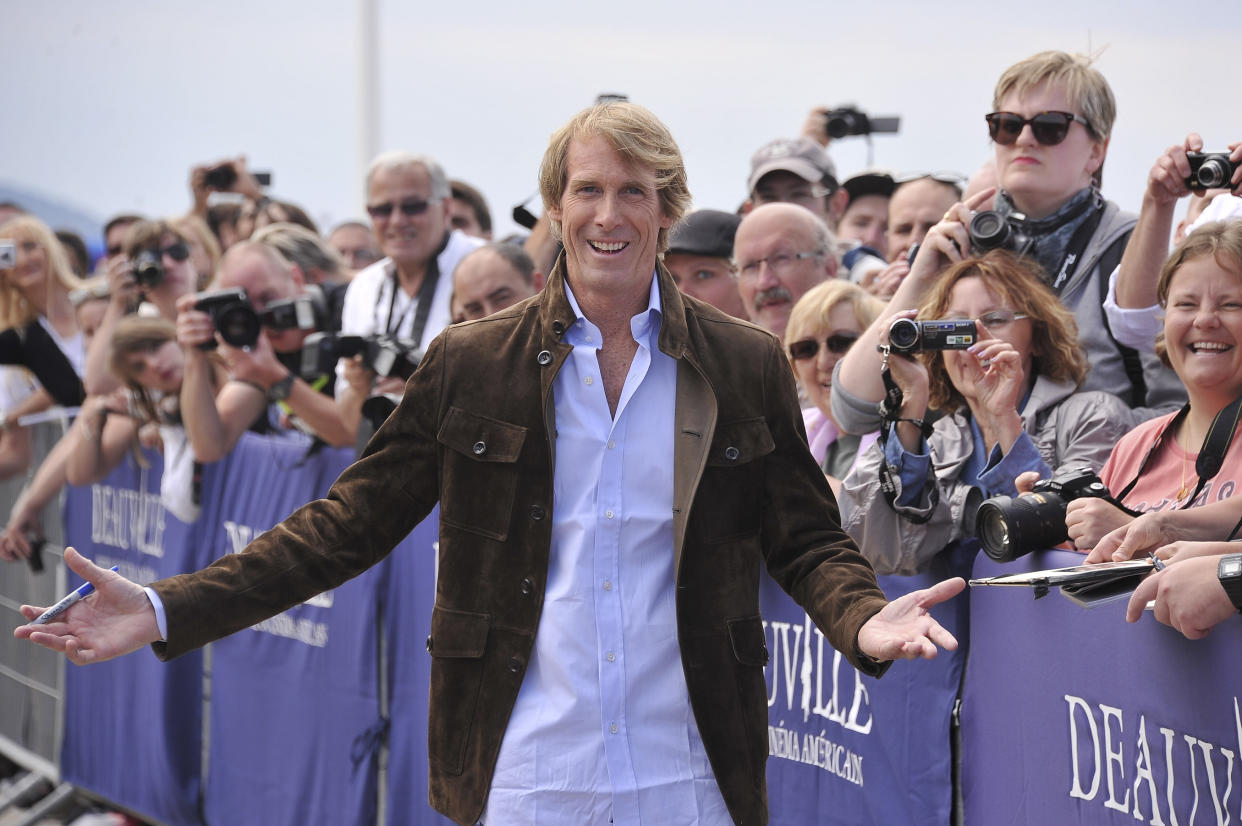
{"points": [[117, 619]]}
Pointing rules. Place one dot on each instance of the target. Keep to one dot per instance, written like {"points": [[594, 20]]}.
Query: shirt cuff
{"points": [[1133, 327], [911, 468], [998, 476], [160, 619]]}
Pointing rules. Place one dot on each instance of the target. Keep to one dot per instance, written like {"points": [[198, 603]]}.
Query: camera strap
{"points": [[426, 293], [889, 408], [1212, 452], [1077, 246]]}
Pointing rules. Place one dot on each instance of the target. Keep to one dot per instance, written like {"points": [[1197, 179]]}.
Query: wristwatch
{"points": [[1229, 571], [279, 391]]}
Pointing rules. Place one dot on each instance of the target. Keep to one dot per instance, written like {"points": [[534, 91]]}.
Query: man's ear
{"points": [[538, 280], [836, 206], [299, 278]]}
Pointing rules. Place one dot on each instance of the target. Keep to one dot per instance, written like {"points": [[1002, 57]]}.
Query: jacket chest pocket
{"points": [[479, 475], [731, 493]]}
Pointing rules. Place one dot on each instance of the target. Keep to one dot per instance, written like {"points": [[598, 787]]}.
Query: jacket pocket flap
{"points": [[749, 645], [481, 438], [460, 634], [737, 443]]}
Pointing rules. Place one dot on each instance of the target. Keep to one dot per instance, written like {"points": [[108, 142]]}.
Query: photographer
{"points": [[261, 373], [157, 267], [1011, 405], [1157, 466]]}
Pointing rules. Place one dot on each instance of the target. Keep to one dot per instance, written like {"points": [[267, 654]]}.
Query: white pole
{"points": [[368, 96]]}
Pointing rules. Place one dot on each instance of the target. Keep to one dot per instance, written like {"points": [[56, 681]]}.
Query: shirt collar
{"points": [[645, 326]]}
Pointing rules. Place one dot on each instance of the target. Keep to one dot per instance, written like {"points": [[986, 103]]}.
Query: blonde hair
{"points": [[811, 313], [191, 224], [15, 310], [1019, 283], [636, 134], [138, 334]]}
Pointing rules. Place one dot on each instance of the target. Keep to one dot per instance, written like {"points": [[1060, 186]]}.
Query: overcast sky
{"points": [[108, 104]]}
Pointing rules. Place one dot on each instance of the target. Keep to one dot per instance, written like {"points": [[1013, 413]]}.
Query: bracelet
{"points": [[925, 427]]}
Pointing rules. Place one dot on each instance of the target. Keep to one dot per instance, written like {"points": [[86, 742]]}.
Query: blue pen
{"points": [[72, 598], [1156, 561]]}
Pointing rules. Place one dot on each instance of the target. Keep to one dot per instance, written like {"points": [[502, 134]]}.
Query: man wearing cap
{"points": [[700, 256], [797, 171], [864, 224]]}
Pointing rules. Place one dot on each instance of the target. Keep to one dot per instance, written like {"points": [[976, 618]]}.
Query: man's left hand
{"points": [[257, 365], [904, 629]]}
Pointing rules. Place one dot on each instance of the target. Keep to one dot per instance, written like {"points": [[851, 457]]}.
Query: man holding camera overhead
{"points": [[262, 363]]}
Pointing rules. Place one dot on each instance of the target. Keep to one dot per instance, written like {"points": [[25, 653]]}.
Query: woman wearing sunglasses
{"points": [[156, 268], [1011, 404], [822, 327]]}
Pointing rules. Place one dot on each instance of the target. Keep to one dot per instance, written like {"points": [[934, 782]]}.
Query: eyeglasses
{"points": [[779, 263], [1049, 128], [996, 319], [808, 348], [409, 208]]}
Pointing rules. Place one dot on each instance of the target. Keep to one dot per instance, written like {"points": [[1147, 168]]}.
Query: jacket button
{"points": [[544, 357], [536, 512], [479, 448], [528, 585], [428, 643], [558, 327], [515, 665], [731, 453]]}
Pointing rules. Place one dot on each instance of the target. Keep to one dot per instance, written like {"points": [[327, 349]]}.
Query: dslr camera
{"points": [[307, 311], [149, 269], [850, 120], [232, 315], [384, 355], [908, 335], [989, 230], [1210, 170], [224, 177], [1009, 527]]}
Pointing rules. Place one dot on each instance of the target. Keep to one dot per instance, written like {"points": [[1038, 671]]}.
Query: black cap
{"points": [[869, 183], [705, 232]]}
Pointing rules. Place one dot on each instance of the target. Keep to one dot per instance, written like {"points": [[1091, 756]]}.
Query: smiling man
{"points": [[612, 461]]}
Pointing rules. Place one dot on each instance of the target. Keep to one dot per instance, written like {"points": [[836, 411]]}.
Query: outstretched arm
{"points": [[904, 629], [117, 619]]}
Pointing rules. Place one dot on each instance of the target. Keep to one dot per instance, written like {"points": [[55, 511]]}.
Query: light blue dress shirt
{"points": [[602, 731]]}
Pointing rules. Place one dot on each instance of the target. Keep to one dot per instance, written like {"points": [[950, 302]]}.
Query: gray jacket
{"points": [[1070, 430]]}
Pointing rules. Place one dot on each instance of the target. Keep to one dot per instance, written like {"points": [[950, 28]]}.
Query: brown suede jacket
{"points": [[475, 431]]}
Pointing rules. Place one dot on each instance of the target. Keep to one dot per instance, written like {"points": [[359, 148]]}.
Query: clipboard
{"points": [[1087, 585]]}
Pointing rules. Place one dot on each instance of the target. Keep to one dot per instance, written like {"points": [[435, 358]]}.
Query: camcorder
{"points": [[382, 354], [908, 335], [1210, 170], [238, 323], [989, 230], [850, 120], [1012, 526]]}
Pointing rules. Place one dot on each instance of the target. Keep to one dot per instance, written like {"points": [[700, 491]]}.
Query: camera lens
{"points": [[238, 325], [903, 335], [989, 230], [1214, 173], [148, 269], [1010, 527]]}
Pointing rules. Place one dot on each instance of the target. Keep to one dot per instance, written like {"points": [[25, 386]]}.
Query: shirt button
{"points": [[588, 339], [731, 453], [612, 657], [588, 381], [608, 514], [528, 585], [612, 727], [479, 448], [536, 512], [611, 444], [544, 357], [607, 587]]}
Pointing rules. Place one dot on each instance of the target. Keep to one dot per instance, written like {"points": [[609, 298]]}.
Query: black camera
{"points": [[308, 311], [35, 560], [908, 335], [1210, 170], [232, 315], [383, 355], [849, 120], [149, 269], [990, 230], [1009, 527], [224, 176]]}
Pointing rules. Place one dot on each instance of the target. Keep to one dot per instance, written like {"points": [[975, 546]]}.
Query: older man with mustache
{"points": [[781, 251]]}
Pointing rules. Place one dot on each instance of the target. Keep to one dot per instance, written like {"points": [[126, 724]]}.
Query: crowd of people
{"points": [[1076, 341]]}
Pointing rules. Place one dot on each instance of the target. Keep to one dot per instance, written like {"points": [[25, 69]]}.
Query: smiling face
{"points": [[972, 299], [815, 374], [1203, 331], [32, 270], [1039, 178], [611, 216], [407, 239]]}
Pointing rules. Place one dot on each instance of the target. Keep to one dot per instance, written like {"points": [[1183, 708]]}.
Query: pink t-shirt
{"points": [[1169, 470]]}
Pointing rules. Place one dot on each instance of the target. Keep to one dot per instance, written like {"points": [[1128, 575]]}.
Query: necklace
{"points": [[1184, 489]]}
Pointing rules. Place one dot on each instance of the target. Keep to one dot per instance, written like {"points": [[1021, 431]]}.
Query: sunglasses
{"points": [[1049, 128], [409, 208], [177, 251], [808, 348]]}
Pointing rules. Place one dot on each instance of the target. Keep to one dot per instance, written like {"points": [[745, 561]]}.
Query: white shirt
{"points": [[369, 299], [603, 730]]}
